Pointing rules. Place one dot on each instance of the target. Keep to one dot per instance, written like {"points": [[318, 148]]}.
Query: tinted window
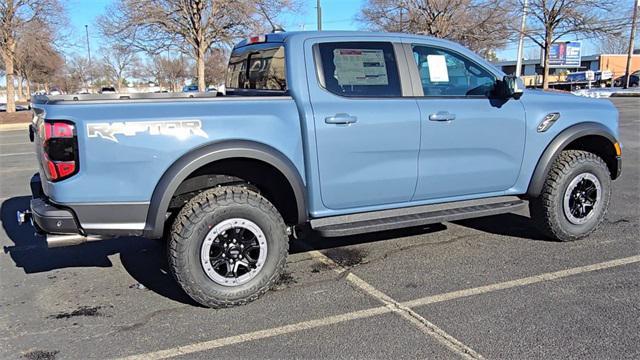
{"points": [[260, 67], [360, 69], [445, 73]]}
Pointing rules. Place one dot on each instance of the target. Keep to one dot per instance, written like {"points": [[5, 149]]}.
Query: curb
{"points": [[633, 94], [14, 127]]}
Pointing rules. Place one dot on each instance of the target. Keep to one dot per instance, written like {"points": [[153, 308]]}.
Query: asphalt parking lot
{"points": [[490, 287]]}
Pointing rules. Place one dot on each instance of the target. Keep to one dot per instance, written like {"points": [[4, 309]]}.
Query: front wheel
{"points": [[227, 247], [575, 196]]}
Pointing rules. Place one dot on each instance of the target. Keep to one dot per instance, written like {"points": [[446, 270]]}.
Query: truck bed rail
{"points": [[145, 97]]}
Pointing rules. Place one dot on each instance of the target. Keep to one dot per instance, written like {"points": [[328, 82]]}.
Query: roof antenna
{"points": [[274, 27]]}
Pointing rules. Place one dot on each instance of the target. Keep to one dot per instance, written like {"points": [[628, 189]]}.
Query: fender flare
{"points": [[199, 157], [564, 138]]}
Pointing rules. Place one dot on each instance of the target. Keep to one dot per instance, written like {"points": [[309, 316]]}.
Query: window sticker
{"points": [[438, 68], [360, 67]]}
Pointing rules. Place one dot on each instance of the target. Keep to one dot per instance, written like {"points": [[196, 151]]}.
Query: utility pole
{"points": [[631, 40], [319, 13], [86, 29], [521, 41]]}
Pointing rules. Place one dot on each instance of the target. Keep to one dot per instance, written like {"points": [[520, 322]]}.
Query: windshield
{"points": [[257, 67]]}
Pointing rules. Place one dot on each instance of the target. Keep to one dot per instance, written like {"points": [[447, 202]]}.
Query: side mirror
{"points": [[510, 87]]}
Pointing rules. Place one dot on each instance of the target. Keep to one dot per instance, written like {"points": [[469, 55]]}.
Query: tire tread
{"points": [[543, 208], [188, 218]]}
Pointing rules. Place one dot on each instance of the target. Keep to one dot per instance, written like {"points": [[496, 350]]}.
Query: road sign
{"points": [[565, 54]]}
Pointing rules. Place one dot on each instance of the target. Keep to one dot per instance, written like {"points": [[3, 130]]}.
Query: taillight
{"points": [[60, 150]]}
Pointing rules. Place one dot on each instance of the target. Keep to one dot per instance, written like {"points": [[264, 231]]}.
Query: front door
{"points": [[367, 134], [471, 143]]}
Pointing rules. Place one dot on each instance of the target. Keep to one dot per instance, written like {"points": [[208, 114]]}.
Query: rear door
{"points": [[471, 143], [367, 133]]}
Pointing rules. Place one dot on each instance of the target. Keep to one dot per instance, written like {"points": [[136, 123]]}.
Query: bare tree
{"points": [[80, 72], [550, 20], [191, 26], [167, 72], [216, 66], [614, 43], [36, 60], [118, 62], [14, 16], [478, 24]]}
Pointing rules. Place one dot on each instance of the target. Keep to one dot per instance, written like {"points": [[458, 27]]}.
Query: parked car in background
{"points": [[108, 90], [3, 107], [341, 132], [634, 80], [190, 88]]}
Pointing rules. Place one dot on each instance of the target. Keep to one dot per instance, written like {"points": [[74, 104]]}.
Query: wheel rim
{"points": [[233, 252], [582, 198]]}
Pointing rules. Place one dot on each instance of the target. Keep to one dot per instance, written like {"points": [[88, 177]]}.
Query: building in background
{"points": [[532, 70]]}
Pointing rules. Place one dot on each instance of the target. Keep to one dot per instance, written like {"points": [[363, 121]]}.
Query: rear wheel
{"points": [[227, 247], [575, 196]]}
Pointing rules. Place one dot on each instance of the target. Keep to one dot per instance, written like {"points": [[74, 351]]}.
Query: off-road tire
{"points": [[547, 210], [192, 225]]}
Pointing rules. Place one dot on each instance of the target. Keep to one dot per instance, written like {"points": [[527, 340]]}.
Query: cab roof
{"points": [[303, 35]]}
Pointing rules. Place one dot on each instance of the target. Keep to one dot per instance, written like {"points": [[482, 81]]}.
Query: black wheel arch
{"points": [[589, 132], [197, 158]]}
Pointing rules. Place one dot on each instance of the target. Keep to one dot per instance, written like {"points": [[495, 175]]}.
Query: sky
{"points": [[336, 15]]}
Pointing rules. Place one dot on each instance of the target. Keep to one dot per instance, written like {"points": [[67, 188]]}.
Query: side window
{"points": [[445, 73], [360, 69]]}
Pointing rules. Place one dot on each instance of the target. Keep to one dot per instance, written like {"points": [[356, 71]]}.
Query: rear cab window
{"points": [[257, 69], [359, 69]]}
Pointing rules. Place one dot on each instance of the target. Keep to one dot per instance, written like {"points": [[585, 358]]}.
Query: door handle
{"points": [[442, 116], [341, 119]]}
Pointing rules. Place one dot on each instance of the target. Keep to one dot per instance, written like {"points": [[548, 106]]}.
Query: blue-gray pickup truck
{"points": [[338, 132]]}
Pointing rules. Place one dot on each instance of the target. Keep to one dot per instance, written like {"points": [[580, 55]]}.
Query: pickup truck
{"points": [[334, 132]]}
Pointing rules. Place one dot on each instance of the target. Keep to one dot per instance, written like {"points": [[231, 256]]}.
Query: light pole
{"points": [[86, 29], [319, 14], [521, 41], [627, 74]]}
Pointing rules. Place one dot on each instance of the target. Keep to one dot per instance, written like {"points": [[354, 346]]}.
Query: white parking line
{"points": [[10, 170], [18, 154], [361, 314], [424, 325], [261, 334], [14, 143], [521, 282]]}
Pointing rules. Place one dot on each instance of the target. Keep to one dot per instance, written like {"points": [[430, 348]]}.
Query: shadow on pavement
{"points": [[144, 259], [313, 241], [512, 225]]}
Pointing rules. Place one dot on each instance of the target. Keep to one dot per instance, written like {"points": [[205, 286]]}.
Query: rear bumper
{"points": [[49, 218]]}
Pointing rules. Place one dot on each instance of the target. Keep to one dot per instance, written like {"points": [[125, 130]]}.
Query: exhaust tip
{"points": [[23, 216], [54, 241]]}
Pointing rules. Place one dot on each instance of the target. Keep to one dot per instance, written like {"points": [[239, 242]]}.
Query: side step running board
{"points": [[414, 216]]}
